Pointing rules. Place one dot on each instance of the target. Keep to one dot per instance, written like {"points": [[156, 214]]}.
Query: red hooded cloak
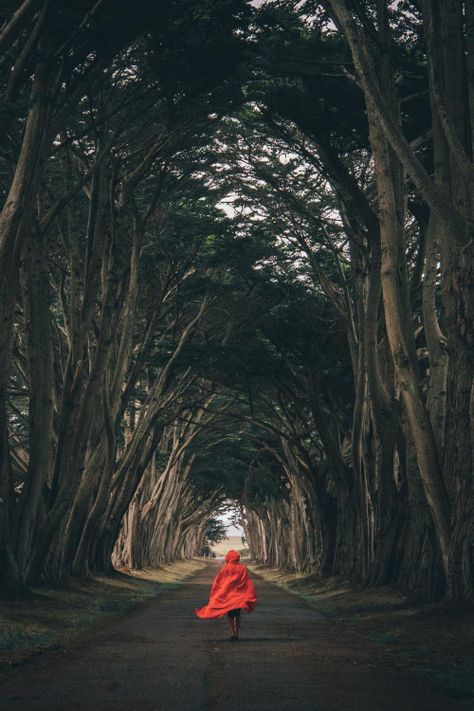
{"points": [[231, 589]]}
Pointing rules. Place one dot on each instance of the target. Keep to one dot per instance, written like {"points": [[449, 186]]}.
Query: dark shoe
{"points": [[234, 638]]}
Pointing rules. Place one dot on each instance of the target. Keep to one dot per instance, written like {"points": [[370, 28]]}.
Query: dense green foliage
{"points": [[236, 252]]}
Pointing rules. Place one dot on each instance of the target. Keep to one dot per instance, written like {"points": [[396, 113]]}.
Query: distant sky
{"points": [[232, 530]]}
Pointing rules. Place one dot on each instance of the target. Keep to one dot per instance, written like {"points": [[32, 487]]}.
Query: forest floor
{"points": [[431, 640], [160, 657], [49, 618]]}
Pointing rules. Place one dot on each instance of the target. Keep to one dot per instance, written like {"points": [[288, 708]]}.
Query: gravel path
{"points": [[162, 657]]}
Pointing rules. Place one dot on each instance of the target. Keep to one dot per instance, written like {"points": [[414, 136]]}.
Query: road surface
{"points": [[161, 657]]}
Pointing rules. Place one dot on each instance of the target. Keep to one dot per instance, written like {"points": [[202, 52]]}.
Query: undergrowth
{"points": [[49, 617], [428, 639]]}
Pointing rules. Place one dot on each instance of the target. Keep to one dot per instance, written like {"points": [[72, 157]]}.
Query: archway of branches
{"points": [[236, 255]]}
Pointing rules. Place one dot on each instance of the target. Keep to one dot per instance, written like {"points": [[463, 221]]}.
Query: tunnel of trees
{"points": [[237, 263]]}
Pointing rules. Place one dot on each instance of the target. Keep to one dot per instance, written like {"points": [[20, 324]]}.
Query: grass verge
{"points": [[431, 640], [51, 617]]}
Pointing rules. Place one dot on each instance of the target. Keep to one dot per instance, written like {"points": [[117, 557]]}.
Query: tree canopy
{"points": [[236, 255]]}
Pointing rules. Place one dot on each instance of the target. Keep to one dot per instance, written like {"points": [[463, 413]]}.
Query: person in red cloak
{"points": [[231, 592]]}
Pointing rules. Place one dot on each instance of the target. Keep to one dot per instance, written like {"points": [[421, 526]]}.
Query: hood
{"points": [[232, 557]]}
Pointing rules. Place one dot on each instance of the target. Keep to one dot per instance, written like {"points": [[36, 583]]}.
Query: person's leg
{"points": [[231, 624], [236, 621], [234, 618]]}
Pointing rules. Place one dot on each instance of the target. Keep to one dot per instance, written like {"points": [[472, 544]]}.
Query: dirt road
{"points": [[162, 657]]}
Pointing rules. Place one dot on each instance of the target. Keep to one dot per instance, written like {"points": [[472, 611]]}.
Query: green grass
{"points": [[380, 637], [49, 617], [456, 682], [431, 641]]}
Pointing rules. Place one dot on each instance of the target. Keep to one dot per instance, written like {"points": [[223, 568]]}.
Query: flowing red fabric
{"points": [[231, 589]]}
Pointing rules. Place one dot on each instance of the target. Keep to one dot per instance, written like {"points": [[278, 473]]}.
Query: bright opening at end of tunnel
{"points": [[234, 536]]}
